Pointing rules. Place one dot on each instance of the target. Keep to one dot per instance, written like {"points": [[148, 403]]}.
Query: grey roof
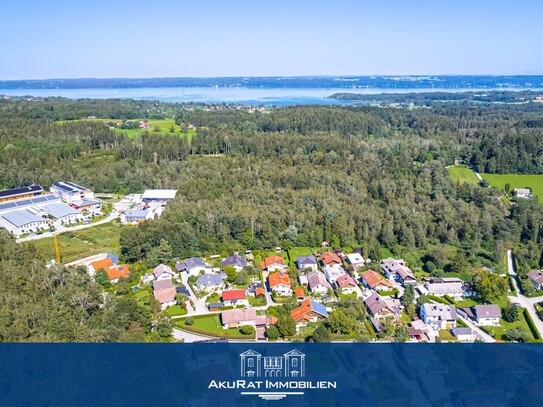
{"points": [[211, 279], [21, 203], [86, 202], [21, 218], [161, 269], [193, 262], [376, 304], [462, 331], [445, 288], [488, 311], [316, 278], [162, 284], [441, 311], [234, 260], [69, 186], [306, 260], [536, 276], [137, 213], [59, 210]]}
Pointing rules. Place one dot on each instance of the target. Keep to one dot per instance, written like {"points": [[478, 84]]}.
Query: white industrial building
{"points": [[70, 192], [23, 221], [159, 195], [64, 213]]}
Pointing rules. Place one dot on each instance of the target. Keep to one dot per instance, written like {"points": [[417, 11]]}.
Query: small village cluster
{"points": [[323, 278]]}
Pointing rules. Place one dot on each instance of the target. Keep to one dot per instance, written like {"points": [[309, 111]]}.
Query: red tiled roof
{"points": [[233, 295], [328, 258], [120, 271], [102, 264], [259, 291], [278, 278], [301, 312], [271, 260], [345, 280], [299, 291], [373, 279]]}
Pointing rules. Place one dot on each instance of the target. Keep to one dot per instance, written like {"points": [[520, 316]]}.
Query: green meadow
{"points": [[462, 173], [534, 182], [158, 126]]}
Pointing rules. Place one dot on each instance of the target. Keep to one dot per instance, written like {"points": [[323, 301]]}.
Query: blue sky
{"points": [[160, 38]]}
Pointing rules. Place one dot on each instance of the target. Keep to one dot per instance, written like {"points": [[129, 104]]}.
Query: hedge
{"points": [[531, 325], [439, 299], [388, 293], [215, 334], [512, 286], [449, 298]]}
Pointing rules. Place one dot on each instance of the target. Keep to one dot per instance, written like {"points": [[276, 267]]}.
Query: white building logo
{"points": [[290, 365], [272, 377]]}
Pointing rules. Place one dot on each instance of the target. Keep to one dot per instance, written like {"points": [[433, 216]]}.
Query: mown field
{"points": [[462, 173], [534, 182], [159, 126], [81, 243]]}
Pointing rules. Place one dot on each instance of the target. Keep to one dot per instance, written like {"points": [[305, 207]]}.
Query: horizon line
{"points": [[270, 76]]}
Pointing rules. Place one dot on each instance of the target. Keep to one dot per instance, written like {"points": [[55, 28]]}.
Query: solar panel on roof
{"points": [[318, 307], [8, 205], [39, 199]]}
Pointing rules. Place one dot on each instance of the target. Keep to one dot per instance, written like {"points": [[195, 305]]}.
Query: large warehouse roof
{"points": [[60, 210], [70, 186], [159, 194], [31, 189], [21, 218], [21, 203]]}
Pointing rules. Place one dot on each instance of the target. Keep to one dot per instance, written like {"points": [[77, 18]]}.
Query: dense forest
{"points": [[353, 176]]}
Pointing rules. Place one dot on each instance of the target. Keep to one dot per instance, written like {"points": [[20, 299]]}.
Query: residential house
{"points": [[536, 277], [273, 263], [346, 284], [356, 260], [262, 322], [382, 307], [214, 306], [330, 259], [110, 266], [487, 314], [134, 216], [260, 292], [464, 334], [332, 273], [194, 266], [317, 283], [234, 298], [210, 282], [453, 287], [280, 283], [236, 261], [299, 293], [163, 272], [235, 318], [375, 281], [523, 192], [397, 270], [418, 331], [439, 316], [164, 292], [308, 311], [307, 263]]}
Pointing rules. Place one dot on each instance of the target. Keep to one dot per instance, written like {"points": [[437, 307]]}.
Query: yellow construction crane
{"points": [[57, 250]]}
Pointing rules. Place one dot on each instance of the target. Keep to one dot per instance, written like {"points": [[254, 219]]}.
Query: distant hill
{"points": [[345, 82]]}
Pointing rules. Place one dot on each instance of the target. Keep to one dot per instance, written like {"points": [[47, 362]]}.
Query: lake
{"points": [[240, 95]]}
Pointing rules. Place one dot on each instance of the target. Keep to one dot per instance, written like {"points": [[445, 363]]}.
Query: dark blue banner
{"points": [[251, 374]]}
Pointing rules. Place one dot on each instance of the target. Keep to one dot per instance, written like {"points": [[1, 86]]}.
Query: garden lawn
{"points": [[534, 182], [498, 332], [175, 311], [81, 243], [211, 325], [462, 173]]}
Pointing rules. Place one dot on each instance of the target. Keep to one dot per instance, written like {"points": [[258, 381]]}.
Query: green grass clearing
{"points": [[164, 126], [81, 243], [462, 173], [534, 182], [498, 332]]}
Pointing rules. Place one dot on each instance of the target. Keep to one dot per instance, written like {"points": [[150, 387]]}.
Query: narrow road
{"points": [[189, 337], [525, 302], [478, 331]]}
